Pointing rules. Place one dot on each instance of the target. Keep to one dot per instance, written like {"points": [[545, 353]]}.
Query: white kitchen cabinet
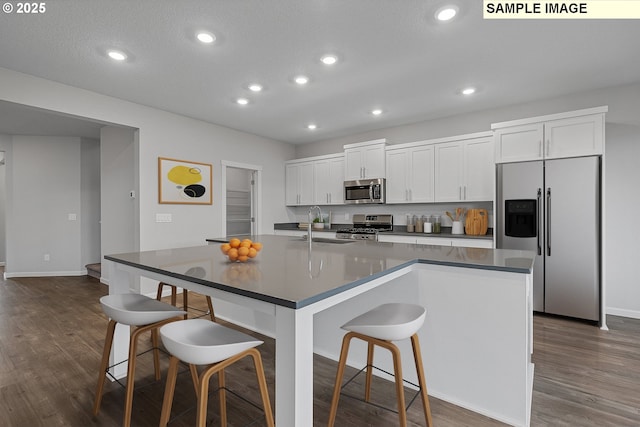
{"points": [[365, 160], [464, 169], [329, 181], [299, 183], [472, 243], [571, 134], [410, 173]]}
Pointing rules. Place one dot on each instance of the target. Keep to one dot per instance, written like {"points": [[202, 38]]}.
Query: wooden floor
{"points": [[52, 332]]}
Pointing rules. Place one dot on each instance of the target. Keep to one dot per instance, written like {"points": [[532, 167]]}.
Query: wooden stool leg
{"points": [[104, 364], [185, 303], [397, 368], [167, 401], [194, 377], [203, 395], [222, 394], [367, 388], [155, 340], [421, 379], [211, 312], [159, 293], [262, 382], [336, 388]]}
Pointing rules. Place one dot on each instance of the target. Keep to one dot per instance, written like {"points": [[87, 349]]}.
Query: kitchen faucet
{"points": [[310, 223]]}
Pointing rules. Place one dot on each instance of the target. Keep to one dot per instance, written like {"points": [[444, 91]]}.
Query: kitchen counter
{"points": [[477, 338], [398, 230]]}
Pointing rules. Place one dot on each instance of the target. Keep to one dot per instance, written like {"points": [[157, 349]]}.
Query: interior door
{"points": [[240, 195]]}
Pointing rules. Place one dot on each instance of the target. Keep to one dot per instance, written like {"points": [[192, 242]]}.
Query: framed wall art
{"points": [[184, 182]]}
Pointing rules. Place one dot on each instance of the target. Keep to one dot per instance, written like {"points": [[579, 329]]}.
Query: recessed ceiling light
{"points": [[312, 126], [255, 87], [116, 55], [242, 101], [376, 112], [206, 37], [446, 13], [329, 59], [468, 91], [301, 80]]}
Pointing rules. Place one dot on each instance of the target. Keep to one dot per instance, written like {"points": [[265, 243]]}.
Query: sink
{"points": [[327, 240]]}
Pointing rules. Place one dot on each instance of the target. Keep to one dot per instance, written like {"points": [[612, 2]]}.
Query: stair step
{"points": [[94, 270]]}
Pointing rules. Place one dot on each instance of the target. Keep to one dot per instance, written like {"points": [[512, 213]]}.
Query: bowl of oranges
{"points": [[238, 250]]}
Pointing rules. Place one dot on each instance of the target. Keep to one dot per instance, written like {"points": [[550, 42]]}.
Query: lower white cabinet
{"points": [[437, 241]]}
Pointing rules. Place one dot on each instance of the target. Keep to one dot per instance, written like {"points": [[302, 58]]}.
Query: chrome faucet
{"points": [[310, 223]]}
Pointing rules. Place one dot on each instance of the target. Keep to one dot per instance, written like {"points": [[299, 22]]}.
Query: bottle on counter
{"points": [[436, 226], [419, 224], [428, 224], [410, 223]]}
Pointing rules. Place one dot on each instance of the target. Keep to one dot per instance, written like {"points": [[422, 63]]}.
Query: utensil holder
{"points": [[457, 228]]}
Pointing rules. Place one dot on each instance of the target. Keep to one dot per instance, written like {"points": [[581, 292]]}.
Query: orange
{"points": [[232, 254], [235, 242], [252, 252], [243, 251], [257, 246], [225, 247], [243, 258], [247, 242]]}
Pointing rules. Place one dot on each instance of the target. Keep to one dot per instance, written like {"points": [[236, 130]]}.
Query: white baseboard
{"points": [[622, 312], [45, 274]]}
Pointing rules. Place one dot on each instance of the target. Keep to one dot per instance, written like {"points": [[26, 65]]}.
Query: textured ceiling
{"points": [[393, 55]]}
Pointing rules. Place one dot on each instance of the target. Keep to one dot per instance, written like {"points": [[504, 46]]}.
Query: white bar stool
{"points": [[380, 326], [185, 300], [146, 314], [201, 342]]}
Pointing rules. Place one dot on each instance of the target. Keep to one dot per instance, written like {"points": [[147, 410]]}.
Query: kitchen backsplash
{"points": [[342, 214]]}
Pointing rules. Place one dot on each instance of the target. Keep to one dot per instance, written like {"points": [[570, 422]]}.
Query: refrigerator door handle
{"points": [[539, 219], [549, 221]]}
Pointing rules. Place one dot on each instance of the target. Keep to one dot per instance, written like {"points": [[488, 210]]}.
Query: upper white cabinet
{"points": [[464, 169], [410, 172], [315, 181], [329, 181], [572, 134], [299, 183], [365, 160]]}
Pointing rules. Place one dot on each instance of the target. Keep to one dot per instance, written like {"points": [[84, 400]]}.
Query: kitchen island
{"points": [[477, 338]]}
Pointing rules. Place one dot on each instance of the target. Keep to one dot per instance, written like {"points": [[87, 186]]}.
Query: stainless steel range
{"points": [[366, 227]]}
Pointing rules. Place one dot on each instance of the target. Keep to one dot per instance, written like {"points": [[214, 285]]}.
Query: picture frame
{"points": [[184, 182]]}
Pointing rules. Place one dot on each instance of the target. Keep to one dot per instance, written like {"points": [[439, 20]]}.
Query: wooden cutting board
{"points": [[477, 222]]}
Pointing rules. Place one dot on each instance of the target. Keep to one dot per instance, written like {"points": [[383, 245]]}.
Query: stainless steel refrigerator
{"points": [[552, 207]]}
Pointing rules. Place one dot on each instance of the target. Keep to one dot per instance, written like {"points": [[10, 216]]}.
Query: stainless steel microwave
{"points": [[364, 191]]}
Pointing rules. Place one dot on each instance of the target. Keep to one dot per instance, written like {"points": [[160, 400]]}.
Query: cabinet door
{"points": [[336, 181], [291, 184], [322, 187], [479, 170], [397, 191], [576, 136], [373, 161], [421, 174], [448, 172], [353, 164], [519, 143], [305, 183]]}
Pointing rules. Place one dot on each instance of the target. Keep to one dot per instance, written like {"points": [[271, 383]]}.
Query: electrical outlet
{"points": [[47, 257]]}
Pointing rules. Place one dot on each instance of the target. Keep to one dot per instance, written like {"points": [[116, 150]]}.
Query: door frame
{"points": [[256, 202]]}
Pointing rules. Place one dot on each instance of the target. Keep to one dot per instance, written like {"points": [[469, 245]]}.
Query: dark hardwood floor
{"points": [[52, 331]]}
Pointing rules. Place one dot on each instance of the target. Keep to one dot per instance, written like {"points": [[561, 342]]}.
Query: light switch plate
{"points": [[163, 217], [72, 217]]}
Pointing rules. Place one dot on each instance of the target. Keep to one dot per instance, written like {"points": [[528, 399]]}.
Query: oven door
{"points": [[364, 191]]}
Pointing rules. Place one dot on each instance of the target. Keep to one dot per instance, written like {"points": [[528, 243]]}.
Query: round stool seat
{"points": [[136, 309], [202, 342], [391, 322]]}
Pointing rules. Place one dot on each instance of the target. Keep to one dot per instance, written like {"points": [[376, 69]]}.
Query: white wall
{"points": [[43, 191], [89, 201], [5, 147], [163, 134], [621, 165]]}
